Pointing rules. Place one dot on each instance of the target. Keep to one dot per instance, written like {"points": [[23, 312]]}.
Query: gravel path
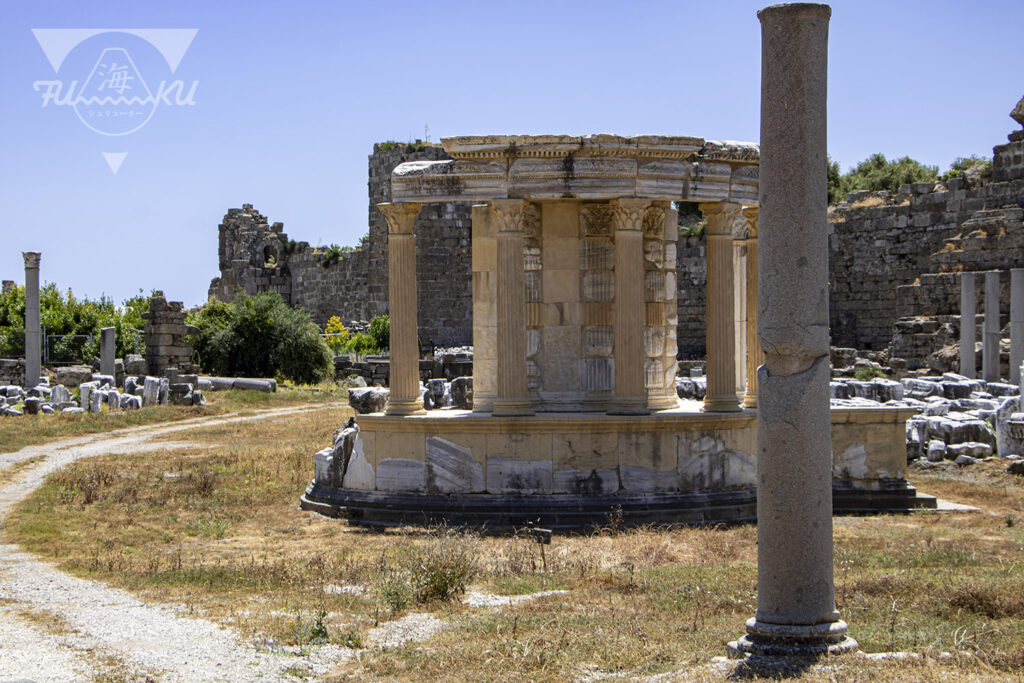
{"points": [[56, 627]]}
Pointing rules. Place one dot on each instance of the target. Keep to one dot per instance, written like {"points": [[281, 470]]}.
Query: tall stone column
{"points": [[1016, 323], [33, 327], [755, 357], [405, 356], [630, 393], [796, 612], [107, 351], [720, 396], [990, 340], [968, 325], [513, 394], [739, 276]]}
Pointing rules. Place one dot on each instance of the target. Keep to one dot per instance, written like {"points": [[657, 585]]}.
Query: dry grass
{"points": [[868, 202], [30, 430], [219, 529]]}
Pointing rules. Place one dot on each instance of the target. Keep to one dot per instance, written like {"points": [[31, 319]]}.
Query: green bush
{"points": [[380, 332], [260, 336], [876, 173], [64, 314], [868, 372]]}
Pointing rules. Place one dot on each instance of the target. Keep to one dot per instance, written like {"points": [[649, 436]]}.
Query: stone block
{"points": [[451, 468]]}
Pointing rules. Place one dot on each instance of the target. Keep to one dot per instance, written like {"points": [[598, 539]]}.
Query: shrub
{"points": [[260, 336], [338, 334], [868, 373], [380, 332], [439, 570]]}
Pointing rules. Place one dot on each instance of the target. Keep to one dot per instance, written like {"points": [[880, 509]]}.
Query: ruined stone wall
{"points": [[885, 249], [256, 256], [691, 279]]}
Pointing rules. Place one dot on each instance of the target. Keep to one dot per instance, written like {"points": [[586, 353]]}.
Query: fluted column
{"points": [[796, 610], [513, 396], [755, 356], [405, 366], [33, 327], [721, 333], [739, 298], [630, 393]]}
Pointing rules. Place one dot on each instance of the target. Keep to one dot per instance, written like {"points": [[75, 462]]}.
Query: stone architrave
{"points": [[33, 327], [990, 339], [512, 392], [721, 332], [107, 351], [968, 325], [796, 611], [405, 373], [1016, 323], [630, 395], [755, 357]]}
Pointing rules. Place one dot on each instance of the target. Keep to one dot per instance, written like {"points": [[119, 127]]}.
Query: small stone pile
{"points": [[376, 370]]}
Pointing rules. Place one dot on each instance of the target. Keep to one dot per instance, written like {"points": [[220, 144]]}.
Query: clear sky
{"points": [[292, 95]]}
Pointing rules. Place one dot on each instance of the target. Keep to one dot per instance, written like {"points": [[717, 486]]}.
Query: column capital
{"points": [[720, 217], [508, 213], [750, 216], [32, 258], [400, 216], [629, 213]]}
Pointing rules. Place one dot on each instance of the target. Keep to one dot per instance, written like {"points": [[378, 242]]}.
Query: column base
{"points": [[664, 401], [721, 406], [796, 641], [750, 401], [512, 407], [628, 406], [404, 406]]}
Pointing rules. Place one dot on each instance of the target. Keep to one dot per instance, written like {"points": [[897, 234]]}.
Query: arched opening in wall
{"points": [[270, 258]]}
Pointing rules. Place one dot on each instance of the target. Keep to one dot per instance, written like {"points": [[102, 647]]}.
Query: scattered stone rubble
{"points": [[959, 420], [376, 370], [436, 394]]}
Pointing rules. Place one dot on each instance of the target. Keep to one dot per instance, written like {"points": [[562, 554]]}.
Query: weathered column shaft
{"points": [[721, 334], [968, 325], [630, 394], [404, 398], [512, 391], [33, 327], [796, 612], [990, 340], [108, 351], [1016, 323], [755, 357], [739, 273]]}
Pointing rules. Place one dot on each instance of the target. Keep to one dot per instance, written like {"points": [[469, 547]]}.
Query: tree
{"points": [[876, 173], [260, 336]]}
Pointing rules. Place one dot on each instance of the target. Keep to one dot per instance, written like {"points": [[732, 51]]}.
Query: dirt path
{"points": [[56, 627]]}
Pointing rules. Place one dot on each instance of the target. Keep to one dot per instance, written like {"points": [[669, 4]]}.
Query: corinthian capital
{"points": [[720, 216], [750, 216], [509, 214], [31, 258], [629, 213], [400, 216]]}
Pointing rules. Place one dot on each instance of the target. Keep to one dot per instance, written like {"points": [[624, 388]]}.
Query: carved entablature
{"points": [[589, 167]]}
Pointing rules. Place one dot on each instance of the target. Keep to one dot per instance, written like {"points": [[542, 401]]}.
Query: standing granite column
{"points": [[630, 393], [968, 325], [404, 398], [720, 396], [33, 327], [513, 395], [796, 612], [991, 336], [107, 351], [755, 357], [1016, 323]]}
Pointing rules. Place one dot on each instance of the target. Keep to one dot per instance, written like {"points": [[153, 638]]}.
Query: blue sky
{"points": [[292, 96]]}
